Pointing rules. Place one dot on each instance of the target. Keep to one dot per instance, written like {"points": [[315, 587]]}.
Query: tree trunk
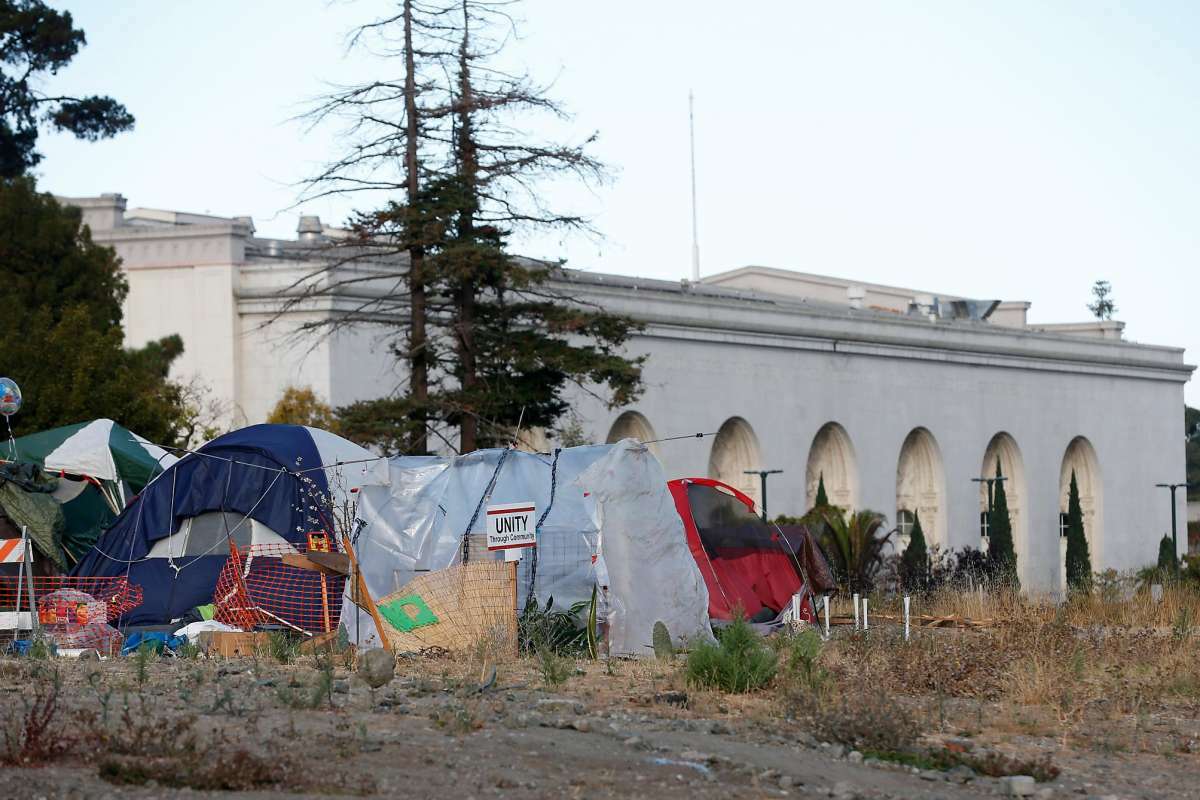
{"points": [[417, 353], [468, 176]]}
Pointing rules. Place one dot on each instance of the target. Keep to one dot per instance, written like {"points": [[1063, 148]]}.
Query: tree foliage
{"points": [[62, 341], [35, 43], [1102, 307], [822, 498], [854, 544], [301, 406], [1168, 561], [492, 342], [914, 563], [1079, 562], [1001, 552]]}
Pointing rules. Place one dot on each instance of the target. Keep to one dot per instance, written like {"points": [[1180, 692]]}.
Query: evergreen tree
{"points": [[1168, 561], [822, 498], [914, 563], [1002, 556], [1079, 563], [62, 340], [36, 42]]}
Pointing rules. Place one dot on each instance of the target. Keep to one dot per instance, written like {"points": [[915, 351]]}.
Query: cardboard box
{"points": [[230, 644]]}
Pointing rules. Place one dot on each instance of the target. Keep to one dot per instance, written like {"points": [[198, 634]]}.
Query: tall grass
{"points": [[1130, 607]]}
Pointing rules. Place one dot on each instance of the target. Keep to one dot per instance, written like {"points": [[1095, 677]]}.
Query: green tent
{"points": [[88, 471], [102, 450]]}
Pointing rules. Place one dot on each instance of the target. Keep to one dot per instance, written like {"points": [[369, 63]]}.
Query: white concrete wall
{"points": [[787, 391]]}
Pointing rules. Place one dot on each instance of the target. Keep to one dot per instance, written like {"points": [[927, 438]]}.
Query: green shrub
{"points": [[739, 662], [664, 650], [554, 668], [1079, 562], [800, 653], [914, 563], [566, 633], [1168, 562], [283, 647]]}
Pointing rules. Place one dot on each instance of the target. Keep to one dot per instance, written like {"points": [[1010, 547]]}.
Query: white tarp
{"points": [[643, 548], [417, 521], [86, 453]]}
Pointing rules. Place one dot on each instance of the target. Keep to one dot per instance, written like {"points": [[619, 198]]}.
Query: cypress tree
{"points": [[1168, 562], [915, 561], [822, 498], [1002, 557], [1079, 563]]}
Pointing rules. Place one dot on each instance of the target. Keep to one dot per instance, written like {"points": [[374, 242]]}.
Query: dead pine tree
{"points": [[496, 339], [393, 126]]}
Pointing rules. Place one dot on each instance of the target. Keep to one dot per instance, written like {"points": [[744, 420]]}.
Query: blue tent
{"points": [[257, 485]]}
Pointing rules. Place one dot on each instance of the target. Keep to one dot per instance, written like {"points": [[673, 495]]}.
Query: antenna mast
{"points": [[695, 225]]}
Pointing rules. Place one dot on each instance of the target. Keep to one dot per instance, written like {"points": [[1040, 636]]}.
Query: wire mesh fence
{"points": [[256, 589]]}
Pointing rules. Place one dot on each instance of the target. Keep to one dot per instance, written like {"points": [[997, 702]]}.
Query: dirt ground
{"points": [[446, 728]]}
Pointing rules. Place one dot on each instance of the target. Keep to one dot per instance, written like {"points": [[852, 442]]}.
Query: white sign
{"points": [[511, 525]]}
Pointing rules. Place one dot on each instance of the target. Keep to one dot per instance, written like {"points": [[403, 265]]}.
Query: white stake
{"points": [[855, 601], [907, 599], [826, 598], [865, 625]]}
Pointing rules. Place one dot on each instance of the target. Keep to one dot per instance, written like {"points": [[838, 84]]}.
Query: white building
{"points": [[899, 398]]}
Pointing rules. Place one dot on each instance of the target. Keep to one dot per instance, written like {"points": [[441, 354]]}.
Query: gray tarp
{"points": [[417, 522]]}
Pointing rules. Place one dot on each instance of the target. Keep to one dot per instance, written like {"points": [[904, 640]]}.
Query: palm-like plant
{"points": [[854, 543]]}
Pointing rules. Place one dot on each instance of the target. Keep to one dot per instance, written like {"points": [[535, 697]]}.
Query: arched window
{"points": [[921, 485], [735, 450], [831, 460]]}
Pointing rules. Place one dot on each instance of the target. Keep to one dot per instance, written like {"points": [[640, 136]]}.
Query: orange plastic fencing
{"points": [[256, 589], [74, 612]]}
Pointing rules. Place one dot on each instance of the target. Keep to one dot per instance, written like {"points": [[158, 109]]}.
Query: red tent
{"points": [[745, 562]]}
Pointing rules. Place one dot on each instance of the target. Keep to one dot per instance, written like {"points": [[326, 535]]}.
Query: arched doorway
{"points": [[734, 451], [1080, 457], [921, 488], [632, 425], [832, 457], [1012, 468]]}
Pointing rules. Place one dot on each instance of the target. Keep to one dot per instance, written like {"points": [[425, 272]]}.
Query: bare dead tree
{"points": [[485, 335]]}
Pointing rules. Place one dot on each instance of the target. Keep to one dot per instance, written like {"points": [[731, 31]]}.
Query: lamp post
{"points": [[762, 476], [990, 483], [1174, 533]]}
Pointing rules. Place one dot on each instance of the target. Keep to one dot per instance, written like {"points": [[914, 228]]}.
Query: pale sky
{"points": [[1016, 150]]}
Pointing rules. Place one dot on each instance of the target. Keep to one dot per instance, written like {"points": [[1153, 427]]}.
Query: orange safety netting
{"points": [[73, 612], [117, 595], [257, 590]]}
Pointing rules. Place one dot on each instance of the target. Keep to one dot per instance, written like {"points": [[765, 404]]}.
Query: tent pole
{"points": [[365, 594], [27, 562]]}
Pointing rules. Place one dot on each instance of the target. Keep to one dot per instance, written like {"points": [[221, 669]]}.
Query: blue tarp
{"points": [[239, 473]]}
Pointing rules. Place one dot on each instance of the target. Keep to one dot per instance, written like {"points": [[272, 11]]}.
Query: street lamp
{"points": [[990, 483], [762, 476], [1174, 534]]}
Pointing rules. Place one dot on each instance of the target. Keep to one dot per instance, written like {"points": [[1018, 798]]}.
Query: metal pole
{"points": [[1174, 530], [695, 223], [27, 560], [1174, 519], [762, 476], [763, 482]]}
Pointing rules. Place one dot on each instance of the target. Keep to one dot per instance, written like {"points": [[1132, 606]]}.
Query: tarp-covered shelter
{"points": [[747, 564], [261, 485], [604, 518]]}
